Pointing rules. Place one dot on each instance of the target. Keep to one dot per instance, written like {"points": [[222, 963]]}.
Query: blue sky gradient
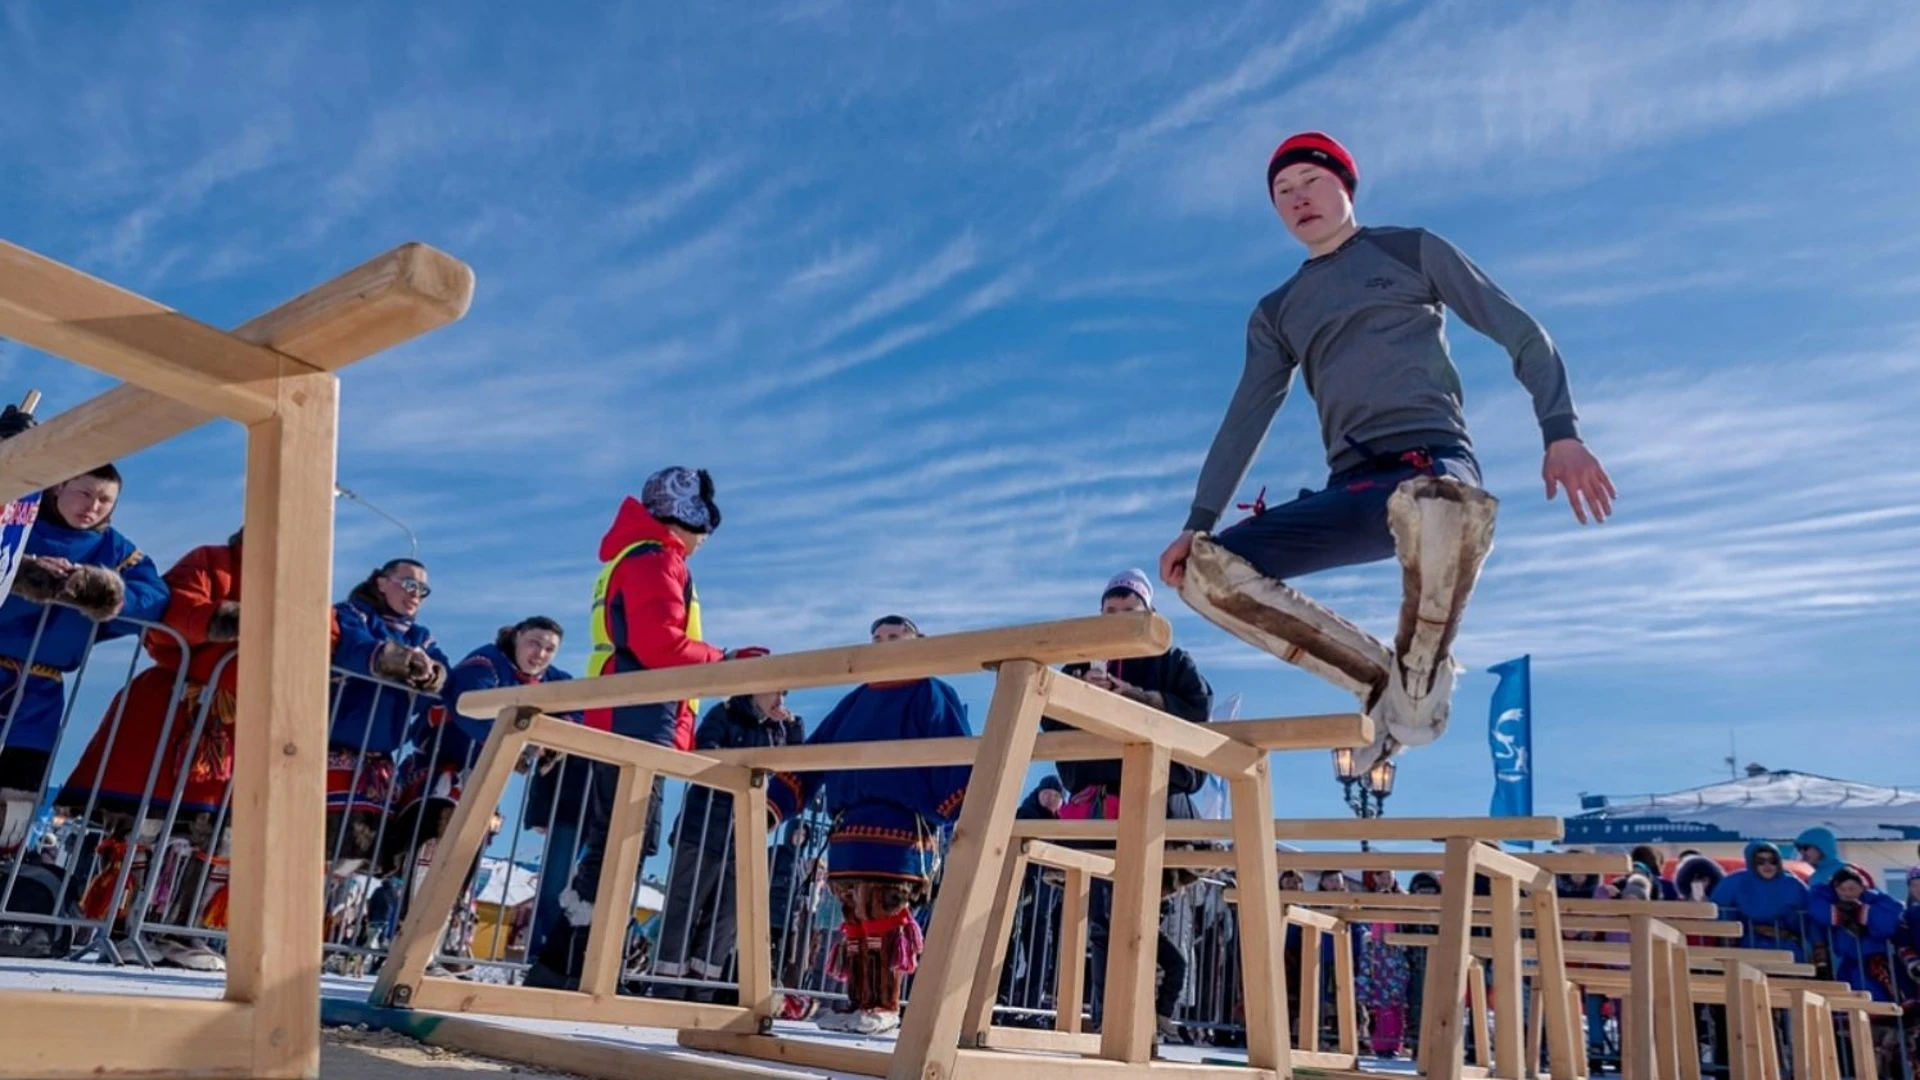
{"points": [[949, 296]]}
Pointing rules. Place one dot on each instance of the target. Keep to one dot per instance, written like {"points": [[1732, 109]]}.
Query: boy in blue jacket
{"points": [[77, 579], [884, 840]]}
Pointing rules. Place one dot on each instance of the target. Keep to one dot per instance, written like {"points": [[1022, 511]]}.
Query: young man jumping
{"points": [[1362, 320]]}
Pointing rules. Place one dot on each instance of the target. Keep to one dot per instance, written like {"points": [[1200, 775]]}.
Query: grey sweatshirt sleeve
{"points": [[1263, 388], [1481, 304]]}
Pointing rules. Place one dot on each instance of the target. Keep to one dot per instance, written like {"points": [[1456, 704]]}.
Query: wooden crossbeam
{"points": [[557, 734], [1116, 637], [1363, 861], [382, 303], [1772, 961], [1123, 720], [1413, 902], [1331, 829], [1294, 733], [57, 1036], [1300, 916], [1065, 858], [1497, 864]]}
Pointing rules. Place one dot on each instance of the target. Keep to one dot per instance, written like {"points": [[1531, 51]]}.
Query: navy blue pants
{"points": [[1344, 523]]}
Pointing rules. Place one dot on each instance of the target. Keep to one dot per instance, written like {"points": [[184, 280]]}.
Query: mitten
{"points": [[13, 421], [749, 652], [424, 672], [95, 590], [36, 581], [390, 660], [224, 623]]}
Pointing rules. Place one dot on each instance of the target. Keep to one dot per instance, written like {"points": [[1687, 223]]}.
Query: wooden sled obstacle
{"points": [[275, 375], [952, 990]]}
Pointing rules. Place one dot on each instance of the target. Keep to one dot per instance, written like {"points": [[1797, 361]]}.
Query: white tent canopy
{"points": [[1773, 806]]}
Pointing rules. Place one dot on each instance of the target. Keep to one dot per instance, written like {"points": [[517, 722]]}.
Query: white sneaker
{"points": [[182, 953], [834, 1020], [873, 1022]]}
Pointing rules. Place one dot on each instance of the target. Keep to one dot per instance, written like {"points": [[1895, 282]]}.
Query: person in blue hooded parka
{"points": [[1768, 901], [78, 580], [1858, 925]]}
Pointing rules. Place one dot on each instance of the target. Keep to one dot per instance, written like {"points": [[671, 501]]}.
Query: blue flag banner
{"points": [[1510, 737]]}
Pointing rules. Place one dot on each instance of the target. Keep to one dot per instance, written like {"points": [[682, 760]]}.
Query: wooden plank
{"points": [[57, 309], [1070, 966], [1638, 1059], [986, 982], [279, 783], [1413, 902], [1331, 829], [1477, 1005], [420, 933], [1498, 864], [454, 996], [1772, 961], [588, 1057], [1319, 1062], [1346, 1021], [1593, 923], [557, 734], [1296, 733], [752, 884], [1299, 916], [1262, 934], [1405, 861], [619, 871], [1860, 1034], [57, 1036], [1448, 961], [1675, 990], [994, 1065], [1052, 1042], [807, 1054], [1065, 858], [1123, 720], [1563, 1021], [1127, 1021], [930, 1031], [1507, 987], [1311, 981], [387, 301], [1117, 637]]}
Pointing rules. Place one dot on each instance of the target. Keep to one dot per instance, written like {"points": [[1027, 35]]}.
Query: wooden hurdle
{"points": [[275, 375], [929, 1045]]}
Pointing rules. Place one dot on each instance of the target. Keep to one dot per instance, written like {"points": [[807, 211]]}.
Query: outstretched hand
{"points": [[1590, 490], [1173, 561]]}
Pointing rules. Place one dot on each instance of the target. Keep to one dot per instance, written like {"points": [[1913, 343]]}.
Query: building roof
{"points": [[1763, 806]]}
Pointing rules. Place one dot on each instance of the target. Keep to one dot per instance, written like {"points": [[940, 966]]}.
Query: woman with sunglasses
{"points": [[386, 671]]}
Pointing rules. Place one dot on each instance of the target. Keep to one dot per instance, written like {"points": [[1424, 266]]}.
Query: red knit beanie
{"points": [[1320, 149]]}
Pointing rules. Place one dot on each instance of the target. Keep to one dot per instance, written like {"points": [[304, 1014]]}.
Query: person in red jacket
{"points": [[645, 617], [187, 723]]}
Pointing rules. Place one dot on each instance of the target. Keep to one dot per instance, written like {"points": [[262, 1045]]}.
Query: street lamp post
{"points": [[1366, 793], [412, 540]]}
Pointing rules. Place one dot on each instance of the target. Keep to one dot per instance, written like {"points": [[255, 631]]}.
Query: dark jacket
{"points": [[730, 725], [1175, 677]]}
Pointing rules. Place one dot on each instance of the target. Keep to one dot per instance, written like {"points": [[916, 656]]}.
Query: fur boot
{"points": [[224, 623], [96, 591], [36, 581]]}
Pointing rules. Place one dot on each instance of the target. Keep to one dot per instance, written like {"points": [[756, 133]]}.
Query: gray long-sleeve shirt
{"points": [[1365, 325]]}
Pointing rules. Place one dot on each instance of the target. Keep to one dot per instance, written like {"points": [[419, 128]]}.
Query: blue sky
{"points": [[949, 297]]}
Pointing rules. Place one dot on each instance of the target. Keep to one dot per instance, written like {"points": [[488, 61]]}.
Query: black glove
{"points": [[13, 421]]}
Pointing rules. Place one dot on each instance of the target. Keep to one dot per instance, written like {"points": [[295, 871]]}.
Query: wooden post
{"points": [[1477, 1004], [1310, 983], [1508, 1028], [1346, 1019], [1576, 1008], [1262, 934], [751, 897], [1536, 1027], [1563, 1021], [419, 938], [280, 752], [986, 983], [1127, 1025], [929, 1043], [1639, 1061], [1860, 1033], [619, 870], [1445, 1044], [1070, 990]]}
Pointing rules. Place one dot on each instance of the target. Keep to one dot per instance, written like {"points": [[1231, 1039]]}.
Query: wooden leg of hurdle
{"points": [[1262, 933], [1866, 1065], [929, 1043], [1477, 1005], [1070, 992], [1508, 992], [1310, 983], [1346, 1020], [986, 988], [1127, 1020]]}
